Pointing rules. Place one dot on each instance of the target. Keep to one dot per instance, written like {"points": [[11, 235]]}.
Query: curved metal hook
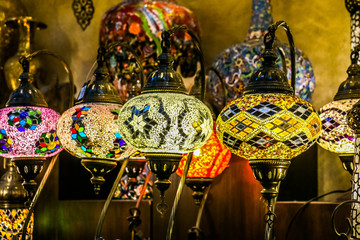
{"points": [[342, 235], [269, 42]]}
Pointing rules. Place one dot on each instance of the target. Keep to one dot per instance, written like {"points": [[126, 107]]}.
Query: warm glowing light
{"points": [[208, 161], [268, 126], [28, 132], [90, 131], [165, 122], [336, 136]]}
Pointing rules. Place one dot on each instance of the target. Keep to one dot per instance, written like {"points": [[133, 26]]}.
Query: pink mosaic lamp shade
{"points": [[27, 132]]}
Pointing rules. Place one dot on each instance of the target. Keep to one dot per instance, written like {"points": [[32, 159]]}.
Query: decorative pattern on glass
{"points": [[237, 63], [28, 132], [336, 135], [355, 207], [90, 131], [160, 122], [11, 224], [208, 161], [268, 126]]}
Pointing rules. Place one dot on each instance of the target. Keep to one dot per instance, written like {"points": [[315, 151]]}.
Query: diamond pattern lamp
{"points": [[89, 130], [207, 162], [269, 125], [164, 121]]}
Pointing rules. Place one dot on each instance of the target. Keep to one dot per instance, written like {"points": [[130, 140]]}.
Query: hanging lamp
{"points": [[269, 125], [336, 136], [163, 121]]}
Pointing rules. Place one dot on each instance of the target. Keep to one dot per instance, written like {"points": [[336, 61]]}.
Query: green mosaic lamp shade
{"points": [[268, 126]]}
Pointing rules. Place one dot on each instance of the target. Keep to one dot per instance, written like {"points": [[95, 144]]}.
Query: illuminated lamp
{"points": [[164, 121], [12, 206], [269, 125], [207, 162], [89, 131], [336, 136]]}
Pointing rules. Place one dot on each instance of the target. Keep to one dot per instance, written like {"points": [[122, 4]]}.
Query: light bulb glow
{"points": [[268, 126]]}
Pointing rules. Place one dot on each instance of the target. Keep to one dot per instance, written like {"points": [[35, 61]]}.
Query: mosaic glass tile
{"points": [[268, 126], [22, 129], [336, 136], [11, 223], [170, 122], [90, 131]]}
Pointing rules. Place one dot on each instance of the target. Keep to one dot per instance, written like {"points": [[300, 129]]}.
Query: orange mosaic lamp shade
{"points": [[208, 161]]}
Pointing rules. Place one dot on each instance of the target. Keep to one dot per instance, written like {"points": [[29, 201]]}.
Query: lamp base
{"points": [[198, 185], [270, 172], [163, 165], [347, 162], [135, 167], [98, 167], [29, 168]]}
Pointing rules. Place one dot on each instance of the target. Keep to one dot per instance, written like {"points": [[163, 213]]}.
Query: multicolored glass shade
{"points": [[208, 161], [140, 23], [11, 224], [268, 126], [165, 122], [28, 132], [336, 136], [238, 62], [90, 131]]}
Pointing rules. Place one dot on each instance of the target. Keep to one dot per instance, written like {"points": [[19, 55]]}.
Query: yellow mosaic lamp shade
{"points": [[336, 136], [11, 224], [165, 122], [268, 126]]}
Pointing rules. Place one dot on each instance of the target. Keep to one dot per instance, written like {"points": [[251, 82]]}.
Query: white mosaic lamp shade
{"points": [[90, 131], [165, 122]]}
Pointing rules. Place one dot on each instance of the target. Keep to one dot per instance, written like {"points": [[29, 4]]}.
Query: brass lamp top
{"points": [[350, 88], [165, 79], [101, 89], [26, 94]]}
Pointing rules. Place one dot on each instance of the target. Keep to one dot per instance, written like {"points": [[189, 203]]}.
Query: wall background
{"points": [[321, 29]]}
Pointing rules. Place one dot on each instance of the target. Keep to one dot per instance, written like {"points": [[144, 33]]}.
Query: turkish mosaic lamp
{"points": [[207, 163], [12, 206], [269, 125], [164, 121], [239, 62], [140, 23], [336, 135], [89, 131], [28, 129]]}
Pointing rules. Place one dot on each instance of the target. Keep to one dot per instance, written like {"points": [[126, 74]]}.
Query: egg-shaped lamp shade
{"points": [[12, 222], [28, 132], [336, 136], [207, 162], [165, 123], [89, 131], [268, 126]]}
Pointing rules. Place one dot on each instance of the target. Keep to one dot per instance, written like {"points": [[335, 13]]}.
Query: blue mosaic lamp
{"points": [[239, 62]]}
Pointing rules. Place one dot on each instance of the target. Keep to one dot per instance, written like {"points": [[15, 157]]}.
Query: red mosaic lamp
{"points": [[207, 162]]}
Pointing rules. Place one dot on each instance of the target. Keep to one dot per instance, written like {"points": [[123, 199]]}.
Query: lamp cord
{"points": [[64, 64], [307, 204], [37, 194], [178, 196], [108, 200]]}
